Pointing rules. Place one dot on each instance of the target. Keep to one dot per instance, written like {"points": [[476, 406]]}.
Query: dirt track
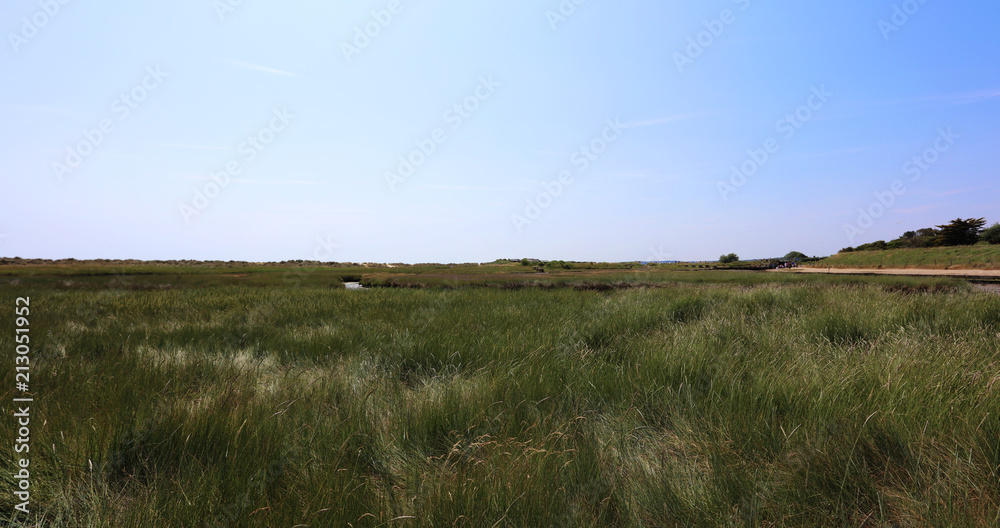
{"points": [[898, 271]]}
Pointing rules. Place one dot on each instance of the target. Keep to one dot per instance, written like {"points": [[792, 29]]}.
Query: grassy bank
{"points": [[955, 257], [689, 399]]}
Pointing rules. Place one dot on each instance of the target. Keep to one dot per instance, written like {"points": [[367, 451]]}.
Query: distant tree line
{"points": [[539, 264], [958, 232]]}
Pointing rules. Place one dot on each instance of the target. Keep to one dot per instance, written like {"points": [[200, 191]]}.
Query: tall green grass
{"points": [[718, 400]]}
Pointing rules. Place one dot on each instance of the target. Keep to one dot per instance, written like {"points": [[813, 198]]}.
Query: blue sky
{"points": [[118, 114]]}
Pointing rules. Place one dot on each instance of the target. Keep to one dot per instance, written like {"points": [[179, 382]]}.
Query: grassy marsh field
{"points": [[620, 398]]}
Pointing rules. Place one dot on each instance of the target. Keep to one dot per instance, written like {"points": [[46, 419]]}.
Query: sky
{"points": [[399, 131]]}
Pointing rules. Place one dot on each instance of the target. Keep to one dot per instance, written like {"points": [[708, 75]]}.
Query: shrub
{"points": [[991, 234], [873, 246]]}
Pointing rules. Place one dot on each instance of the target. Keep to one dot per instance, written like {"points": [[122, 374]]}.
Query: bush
{"points": [[991, 234], [879, 245], [729, 259]]}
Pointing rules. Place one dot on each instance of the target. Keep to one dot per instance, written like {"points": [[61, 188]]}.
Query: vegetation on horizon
{"points": [[956, 233], [980, 256]]}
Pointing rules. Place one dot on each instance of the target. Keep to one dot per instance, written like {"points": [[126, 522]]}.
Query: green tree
{"points": [[991, 234], [961, 232], [729, 259], [878, 245], [795, 255]]}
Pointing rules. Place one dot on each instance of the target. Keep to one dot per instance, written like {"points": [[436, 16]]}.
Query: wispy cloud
{"points": [[290, 182], [254, 181], [39, 109], [918, 209], [970, 97], [841, 152], [464, 188], [655, 176], [179, 145], [956, 191], [632, 175], [951, 192], [948, 99], [761, 39], [278, 182], [258, 67], [668, 119]]}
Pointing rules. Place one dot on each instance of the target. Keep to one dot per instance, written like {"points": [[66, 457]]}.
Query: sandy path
{"points": [[897, 271]]}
